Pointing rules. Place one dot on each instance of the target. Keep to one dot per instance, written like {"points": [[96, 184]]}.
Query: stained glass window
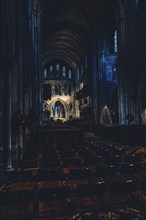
{"points": [[57, 71], [115, 42], [51, 72], [45, 74], [63, 72], [69, 74]]}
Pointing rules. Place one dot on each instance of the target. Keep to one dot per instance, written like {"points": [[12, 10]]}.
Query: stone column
{"points": [[62, 89], [52, 90], [7, 148], [122, 72], [94, 92]]}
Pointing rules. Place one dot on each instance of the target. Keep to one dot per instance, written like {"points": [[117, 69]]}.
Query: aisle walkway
{"points": [[98, 177]]}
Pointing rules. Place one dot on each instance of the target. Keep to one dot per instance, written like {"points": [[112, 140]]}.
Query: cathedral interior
{"points": [[73, 109]]}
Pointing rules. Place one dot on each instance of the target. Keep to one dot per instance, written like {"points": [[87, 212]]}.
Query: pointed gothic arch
{"points": [[63, 103]]}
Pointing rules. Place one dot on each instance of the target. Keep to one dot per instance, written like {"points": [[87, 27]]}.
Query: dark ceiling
{"points": [[71, 28]]}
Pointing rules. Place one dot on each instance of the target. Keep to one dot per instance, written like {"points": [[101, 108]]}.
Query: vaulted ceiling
{"points": [[71, 28]]}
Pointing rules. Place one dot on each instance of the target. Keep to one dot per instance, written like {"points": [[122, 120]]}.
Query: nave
{"points": [[86, 178], [67, 64]]}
